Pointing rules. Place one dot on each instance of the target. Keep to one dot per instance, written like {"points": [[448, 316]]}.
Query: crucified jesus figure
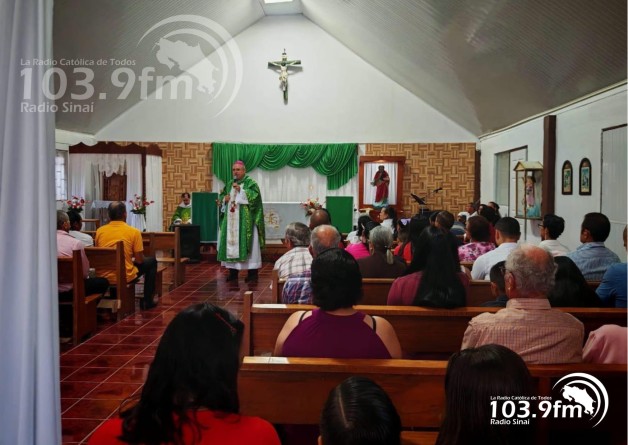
{"points": [[283, 65]]}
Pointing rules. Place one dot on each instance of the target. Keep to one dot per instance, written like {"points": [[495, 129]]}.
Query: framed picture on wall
{"points": [[585, 177], [567, 176]]}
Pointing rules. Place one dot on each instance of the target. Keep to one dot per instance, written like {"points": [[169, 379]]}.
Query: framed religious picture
{"points": [[381, 181], [567, 176], [585, 177]]}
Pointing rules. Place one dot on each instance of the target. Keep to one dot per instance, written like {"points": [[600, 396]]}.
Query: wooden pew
{"points": [[293, 390], [374, 290], [70, 270], [421, 331], [170, 243], [107, 258]]}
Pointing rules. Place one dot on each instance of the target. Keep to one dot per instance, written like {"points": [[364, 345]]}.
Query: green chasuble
{"points": [[182, 213], [237, 221]]}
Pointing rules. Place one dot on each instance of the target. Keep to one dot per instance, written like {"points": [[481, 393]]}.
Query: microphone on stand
{"points": [[437, 190]]}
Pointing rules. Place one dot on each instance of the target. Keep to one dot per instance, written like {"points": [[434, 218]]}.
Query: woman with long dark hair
{"points": [[191, 395], [473, 377], [434, 278], [570, 288]]}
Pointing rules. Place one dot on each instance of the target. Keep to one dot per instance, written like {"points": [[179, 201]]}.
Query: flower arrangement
{"points": [[76, 204], [139, 204], [310, 205]]}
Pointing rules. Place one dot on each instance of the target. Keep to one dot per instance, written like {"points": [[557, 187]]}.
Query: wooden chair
{"points": [[170, 244], [70, 270], [96, 222], [105, 259]]}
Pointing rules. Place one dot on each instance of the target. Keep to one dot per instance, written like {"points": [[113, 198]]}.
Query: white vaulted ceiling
{"points": [[485, 64]]}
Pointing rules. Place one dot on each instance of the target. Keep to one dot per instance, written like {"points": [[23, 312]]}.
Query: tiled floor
{"points": [[98, 374]]}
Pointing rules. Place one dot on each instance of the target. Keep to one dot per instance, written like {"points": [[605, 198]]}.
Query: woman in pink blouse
{"points": [[479, 232]]}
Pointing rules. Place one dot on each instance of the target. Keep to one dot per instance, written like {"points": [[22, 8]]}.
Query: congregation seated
{"points": [[612, 289], [592, 257], [297, 289], [359, 412], [491, 216], [66, 244], [76, 225], [388, 218], [474, 377], [381, 263], [458, 228], [498, 287], [493, 205], [507, 234], [297, 259], [191, 395], [570, 288], [136, 264], [433, 278], [445, 221], [551, 228], [403, 249], [606, 344], [478, 233], [528, 325], [355, 236], [323, 217], [335, 329], [361, 249], [415, 228]]}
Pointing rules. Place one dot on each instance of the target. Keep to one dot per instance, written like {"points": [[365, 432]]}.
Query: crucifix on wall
{"points": [[283, 65]]}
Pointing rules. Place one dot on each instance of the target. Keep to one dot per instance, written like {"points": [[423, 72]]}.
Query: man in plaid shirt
{"points": [[297, 288], [298, 258]]}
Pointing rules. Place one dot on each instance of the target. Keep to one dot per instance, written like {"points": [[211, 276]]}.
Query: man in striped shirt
{"points": [[298, 257], [528, 325]]}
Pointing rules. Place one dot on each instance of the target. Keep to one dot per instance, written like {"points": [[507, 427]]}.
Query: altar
{"points": [[277, 215]]}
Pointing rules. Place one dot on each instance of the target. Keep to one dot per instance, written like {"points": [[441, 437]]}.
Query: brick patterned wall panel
{"points": [[430, 166]]}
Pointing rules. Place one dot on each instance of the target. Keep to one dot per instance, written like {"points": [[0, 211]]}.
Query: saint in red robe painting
{"points": [[381, 180]]}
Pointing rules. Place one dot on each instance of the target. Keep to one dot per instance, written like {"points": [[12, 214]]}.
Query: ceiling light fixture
{"points": [[268, 2]]}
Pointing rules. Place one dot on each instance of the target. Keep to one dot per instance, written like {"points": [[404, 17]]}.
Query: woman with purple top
{"points": [[336, 329]]}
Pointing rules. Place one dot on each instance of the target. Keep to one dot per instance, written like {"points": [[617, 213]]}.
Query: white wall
{"points": [[337, 97], [63, 139], [578, 135]]}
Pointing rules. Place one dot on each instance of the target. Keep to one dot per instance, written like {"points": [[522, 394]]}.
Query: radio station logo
{"points": [[577, 396], [192, 57]]}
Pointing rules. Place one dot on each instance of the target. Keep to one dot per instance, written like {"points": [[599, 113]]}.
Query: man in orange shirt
{"points": [[136, 264]]}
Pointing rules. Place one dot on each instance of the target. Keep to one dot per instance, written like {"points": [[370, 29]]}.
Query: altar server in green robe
{"points": [[183, 214], [241, 225]]}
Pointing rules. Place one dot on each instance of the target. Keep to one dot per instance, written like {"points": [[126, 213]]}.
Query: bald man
{"points": [[242, 233], [528, 325]]}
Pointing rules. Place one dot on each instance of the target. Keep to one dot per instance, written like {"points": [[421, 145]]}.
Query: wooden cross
{"points": [[283, 65]]}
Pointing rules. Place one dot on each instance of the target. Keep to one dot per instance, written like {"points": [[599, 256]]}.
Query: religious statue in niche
{"points": [[381, 180], [529, 175], [283, 66]]}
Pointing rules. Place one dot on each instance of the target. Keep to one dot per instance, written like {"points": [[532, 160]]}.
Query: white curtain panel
{"points": [[294, 185], [29, 331], [133, 179], [154, 192]]}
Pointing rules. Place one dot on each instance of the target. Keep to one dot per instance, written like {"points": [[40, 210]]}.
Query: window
{"points": [[504, 176], [61, 175]]}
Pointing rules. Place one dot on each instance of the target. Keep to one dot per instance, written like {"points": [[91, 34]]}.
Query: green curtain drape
{"points": [[338, 162]]}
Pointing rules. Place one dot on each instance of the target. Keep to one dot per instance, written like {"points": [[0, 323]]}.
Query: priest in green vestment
{"points": [[183, 214], [241, 225]]}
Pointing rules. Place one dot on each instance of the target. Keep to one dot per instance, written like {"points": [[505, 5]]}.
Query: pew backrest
{"points": [[374, 290], [423, 331], [293, 390], [106, 259]]}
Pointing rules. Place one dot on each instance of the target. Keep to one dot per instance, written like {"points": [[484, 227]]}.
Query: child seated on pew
{"points": [[191, 395], [474, 376], [359, 412], [498, 286]]}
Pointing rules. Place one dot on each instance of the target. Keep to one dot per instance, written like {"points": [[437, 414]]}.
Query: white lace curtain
{"points": [[154, 213]]}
